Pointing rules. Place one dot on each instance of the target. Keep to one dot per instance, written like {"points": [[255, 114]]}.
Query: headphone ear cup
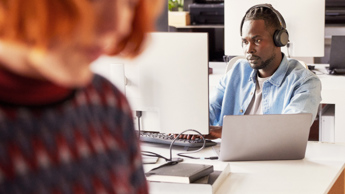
{"points": [[281, 37]]}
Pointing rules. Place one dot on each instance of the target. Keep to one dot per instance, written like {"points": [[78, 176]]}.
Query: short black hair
{"points": [[263, 13]]}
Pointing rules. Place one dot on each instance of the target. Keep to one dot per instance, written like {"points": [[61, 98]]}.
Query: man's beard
{"points": [[261, 65]]}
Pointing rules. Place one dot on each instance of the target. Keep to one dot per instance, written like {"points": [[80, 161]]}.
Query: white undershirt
{"points": [[255, 105]]}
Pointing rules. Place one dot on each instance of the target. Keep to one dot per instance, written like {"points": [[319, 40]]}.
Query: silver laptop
{"points": [[264, 137]]}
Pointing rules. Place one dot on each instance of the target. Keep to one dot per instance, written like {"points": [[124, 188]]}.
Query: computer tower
{"points": [[327, 131]]}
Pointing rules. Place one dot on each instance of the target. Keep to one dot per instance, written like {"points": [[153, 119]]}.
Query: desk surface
{"points": [[317, 173]]}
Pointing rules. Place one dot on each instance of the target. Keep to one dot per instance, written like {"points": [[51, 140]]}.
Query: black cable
{"points": [[201, 158], [152, 154], [202, 147], [191, 157], [138, 113], [288, 49], [176, 160]]}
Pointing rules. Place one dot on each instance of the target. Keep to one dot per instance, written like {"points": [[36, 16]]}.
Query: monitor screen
{"points": [[305, 23], [168, 82]]}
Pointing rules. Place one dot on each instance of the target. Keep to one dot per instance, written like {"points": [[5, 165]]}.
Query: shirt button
{"points": [[251, 93], [241, 110]]}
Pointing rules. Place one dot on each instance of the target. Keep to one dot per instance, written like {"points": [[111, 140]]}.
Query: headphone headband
{"points": [[269, 6], [281, 37]]}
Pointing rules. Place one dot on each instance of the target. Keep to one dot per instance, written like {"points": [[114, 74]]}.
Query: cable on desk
{"points": [[182, 154], [190, 152], [176, 160], [152, 154]]}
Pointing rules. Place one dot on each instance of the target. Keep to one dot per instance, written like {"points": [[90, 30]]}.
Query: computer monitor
{"points": [[168, 82], [305, 22]]}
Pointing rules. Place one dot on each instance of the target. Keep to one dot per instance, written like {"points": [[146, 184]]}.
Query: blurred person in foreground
{"points": [[64, 129]]}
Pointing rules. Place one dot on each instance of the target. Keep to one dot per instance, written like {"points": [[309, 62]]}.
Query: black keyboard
{"points": [[163, 138]]}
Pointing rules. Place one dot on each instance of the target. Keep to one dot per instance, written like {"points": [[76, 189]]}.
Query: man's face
{"points": [[258, 45]]}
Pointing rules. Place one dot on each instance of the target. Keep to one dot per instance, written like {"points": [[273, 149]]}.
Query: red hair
{"points": [[145, 15], [38, 23]]}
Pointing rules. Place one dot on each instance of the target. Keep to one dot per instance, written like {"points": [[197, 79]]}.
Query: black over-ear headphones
{"points": [[280, 37]]}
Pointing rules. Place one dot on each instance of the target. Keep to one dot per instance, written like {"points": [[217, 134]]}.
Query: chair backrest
{"points": [[231, 62], [303, 63]]}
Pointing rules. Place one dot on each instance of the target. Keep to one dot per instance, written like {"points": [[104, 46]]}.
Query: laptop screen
{"points": [[337, 55], [264, 137]]}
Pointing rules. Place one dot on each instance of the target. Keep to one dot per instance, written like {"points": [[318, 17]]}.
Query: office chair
{"points": [[231, 62], [303, 63]]}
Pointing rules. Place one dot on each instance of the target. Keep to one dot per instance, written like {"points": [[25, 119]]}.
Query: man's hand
{"points": [[186, 136], [215, 132]]}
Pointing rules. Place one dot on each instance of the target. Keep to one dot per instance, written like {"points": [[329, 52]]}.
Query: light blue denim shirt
{"points": [[291, 89]]}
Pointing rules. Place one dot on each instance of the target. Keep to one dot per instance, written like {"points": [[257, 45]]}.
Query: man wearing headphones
{"points": [[267, 82]]}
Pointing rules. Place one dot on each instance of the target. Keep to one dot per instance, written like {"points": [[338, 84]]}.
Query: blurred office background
{"points": [[208, 16]]}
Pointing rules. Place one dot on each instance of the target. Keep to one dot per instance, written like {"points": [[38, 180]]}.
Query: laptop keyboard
{"points": [[162, 138]]}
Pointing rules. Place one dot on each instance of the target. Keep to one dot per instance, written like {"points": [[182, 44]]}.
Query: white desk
{"points": [[333, 92], [322, 171]]}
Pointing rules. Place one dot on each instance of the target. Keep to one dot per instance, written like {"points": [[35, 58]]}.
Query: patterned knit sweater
{"points": [[82, 143]]}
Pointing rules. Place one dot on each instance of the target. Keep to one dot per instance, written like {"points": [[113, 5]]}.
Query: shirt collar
{"points": [[278, 76], [24, 91]]}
